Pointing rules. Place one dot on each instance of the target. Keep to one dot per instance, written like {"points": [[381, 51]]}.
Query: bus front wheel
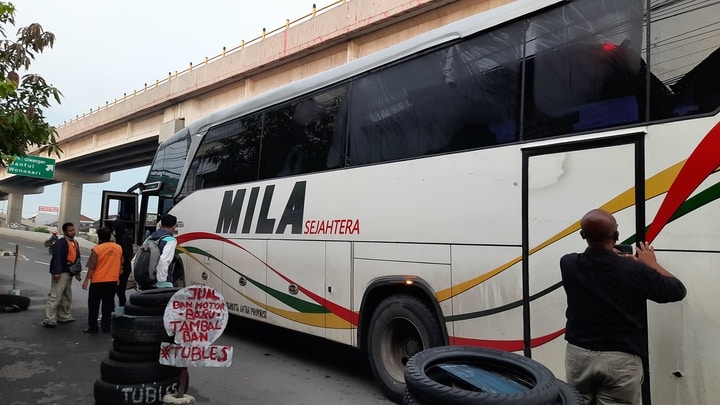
{"points": [[400, 326]]}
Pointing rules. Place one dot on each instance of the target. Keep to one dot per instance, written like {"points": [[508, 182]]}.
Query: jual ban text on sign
{"points": [[196, 316]]}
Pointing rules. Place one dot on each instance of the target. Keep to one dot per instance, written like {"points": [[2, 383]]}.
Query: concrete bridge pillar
{"points": [[15, 208], [71, 193], [70, 203], [15, 197]]}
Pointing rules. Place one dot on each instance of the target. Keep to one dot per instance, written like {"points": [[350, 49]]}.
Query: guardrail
{"points": [[171, 76]]}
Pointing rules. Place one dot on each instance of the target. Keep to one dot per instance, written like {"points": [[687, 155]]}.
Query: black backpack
{"points": [[148, 257]]}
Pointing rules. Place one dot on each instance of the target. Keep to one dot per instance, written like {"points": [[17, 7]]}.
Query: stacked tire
{"points": [[131, 373], [458, 375]]}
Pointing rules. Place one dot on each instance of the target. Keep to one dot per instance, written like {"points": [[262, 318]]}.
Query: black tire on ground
{"points": [[409, 399], [153, 298], [120, 372], [401, 326], [17, 300], [134, 309], [430, 384], [140, 329], [132, 357], [567, 395], [121, 394], [135, 347]]}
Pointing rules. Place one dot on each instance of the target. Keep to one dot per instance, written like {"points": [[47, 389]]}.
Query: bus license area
{"points": [[247, 310], [332, 227]]}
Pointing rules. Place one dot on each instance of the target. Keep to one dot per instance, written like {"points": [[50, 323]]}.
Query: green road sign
{"points": [[33, 166]]}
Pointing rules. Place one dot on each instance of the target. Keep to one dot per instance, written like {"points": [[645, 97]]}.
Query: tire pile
{"points": [[131, 373], [461, 375]]}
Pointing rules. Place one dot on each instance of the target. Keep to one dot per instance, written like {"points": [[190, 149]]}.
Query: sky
{"points": [[106, 48]]}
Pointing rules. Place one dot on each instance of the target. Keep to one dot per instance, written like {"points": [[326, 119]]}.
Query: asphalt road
{"points": [[60, 365]]}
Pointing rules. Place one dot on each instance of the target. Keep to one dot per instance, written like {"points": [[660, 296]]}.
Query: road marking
{"points": [[46, 264]]}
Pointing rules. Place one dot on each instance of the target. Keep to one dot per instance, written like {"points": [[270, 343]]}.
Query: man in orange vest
{"points": [[104, 268], [65, 253]]}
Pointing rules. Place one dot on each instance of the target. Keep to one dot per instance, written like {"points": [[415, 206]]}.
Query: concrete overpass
{"points": [[125, 133]]}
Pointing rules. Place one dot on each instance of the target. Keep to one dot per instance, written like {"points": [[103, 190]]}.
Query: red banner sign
{"points": [[45, 208]]}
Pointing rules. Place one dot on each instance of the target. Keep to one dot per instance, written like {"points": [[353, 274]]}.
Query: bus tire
{"points": [[106, 393], [430, 384], [138, 372], [567, 395], [157, 297], [16, 300], [400, 326]]}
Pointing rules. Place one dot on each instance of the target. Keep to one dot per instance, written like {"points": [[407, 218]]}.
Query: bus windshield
{"points": [[167, 166]]}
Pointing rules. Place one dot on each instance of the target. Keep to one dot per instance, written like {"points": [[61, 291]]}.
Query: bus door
{"points": [[138, 211], [118, 205], [562, 182]]}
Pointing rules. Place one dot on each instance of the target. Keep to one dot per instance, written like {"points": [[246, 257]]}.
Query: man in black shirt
{"points": [[606, 297]]}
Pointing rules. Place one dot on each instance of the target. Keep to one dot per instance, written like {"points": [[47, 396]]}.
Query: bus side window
{"points": [[584, 68], [228, 154], [298, 136], [417, 108], [698, 91], [685, 56], [484, 72]]}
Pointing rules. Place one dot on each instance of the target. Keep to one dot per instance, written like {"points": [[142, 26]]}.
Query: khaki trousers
{"points": [[59, 300], [604, 378]]}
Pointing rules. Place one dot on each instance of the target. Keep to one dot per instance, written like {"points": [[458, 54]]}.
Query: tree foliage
{"points": [[22, 99]]}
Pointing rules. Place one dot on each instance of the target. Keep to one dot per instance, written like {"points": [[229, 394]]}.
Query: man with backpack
{"points": [[152, 263]]}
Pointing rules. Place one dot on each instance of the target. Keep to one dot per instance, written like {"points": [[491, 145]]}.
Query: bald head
{"points": [[599, 228]]}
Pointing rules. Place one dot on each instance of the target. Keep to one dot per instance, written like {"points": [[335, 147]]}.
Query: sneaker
{"points": [[91, 331], [71, 319], [48, 324], [163, 284]]}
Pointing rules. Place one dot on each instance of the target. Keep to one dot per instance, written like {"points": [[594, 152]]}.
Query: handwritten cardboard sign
{"points": [[196, 316]]}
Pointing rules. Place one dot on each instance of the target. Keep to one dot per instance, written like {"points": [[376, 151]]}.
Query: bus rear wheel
{"points": [[400, 326]]}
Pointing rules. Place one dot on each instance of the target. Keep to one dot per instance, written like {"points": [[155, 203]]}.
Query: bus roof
{"points": [[459, 29]]}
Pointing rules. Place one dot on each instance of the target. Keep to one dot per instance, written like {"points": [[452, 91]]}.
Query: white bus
{"points": [[424, 195]]}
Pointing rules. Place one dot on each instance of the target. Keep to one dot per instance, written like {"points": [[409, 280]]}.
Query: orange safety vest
{"points": [[109, 262]]}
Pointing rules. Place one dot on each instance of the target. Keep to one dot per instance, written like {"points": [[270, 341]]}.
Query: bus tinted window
{"points": [[577, 67], [394, 112], [484, 73], [462, 97], [304, 136], [685, 55], [169, 162], [228, 154], [584, 67]]}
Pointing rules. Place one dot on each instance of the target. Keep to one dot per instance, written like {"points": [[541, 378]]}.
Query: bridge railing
{"points": [[171, 76]]}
